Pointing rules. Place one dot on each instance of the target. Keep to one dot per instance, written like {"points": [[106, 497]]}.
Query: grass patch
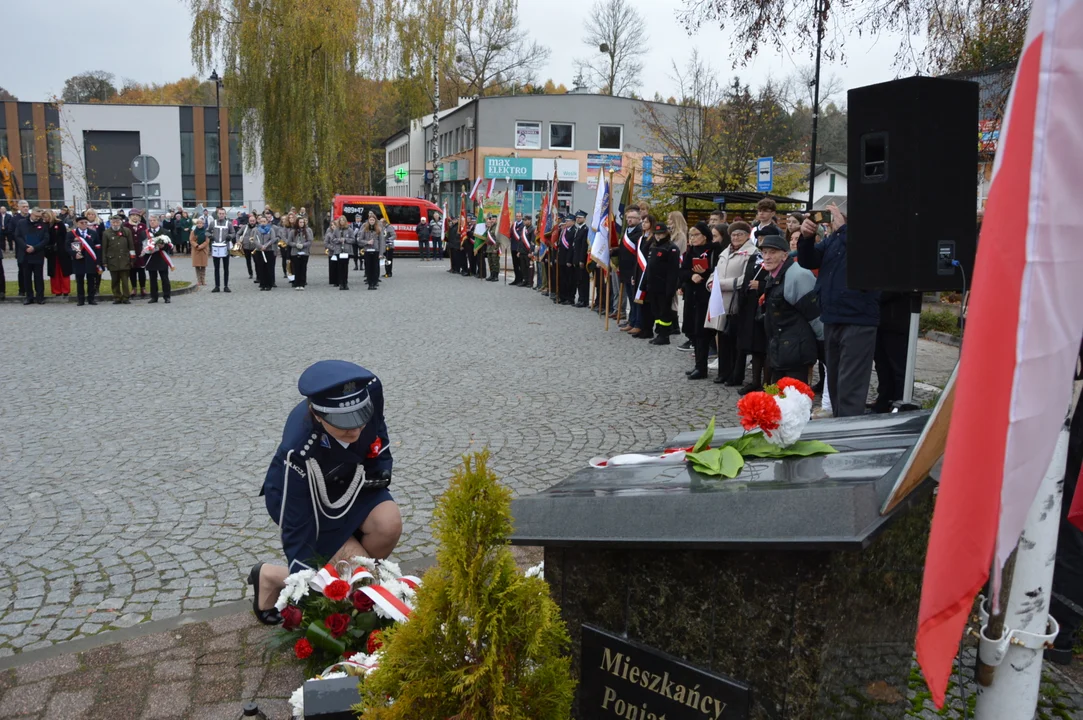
{"points": [[945, 321], [12, 287]]}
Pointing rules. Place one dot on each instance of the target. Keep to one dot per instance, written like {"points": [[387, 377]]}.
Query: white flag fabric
{"points": [[599, 223], [716, 306]]}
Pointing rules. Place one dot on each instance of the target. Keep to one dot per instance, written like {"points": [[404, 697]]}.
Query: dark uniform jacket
{"points": [[85, 265], [565, 246], [156, 261], [626, 257], [31, 233], [663, 265], [698, 261], [580, 244], [313, 490], [116, 248]]}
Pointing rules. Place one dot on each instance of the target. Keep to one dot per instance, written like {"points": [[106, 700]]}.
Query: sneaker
{"points": [[686, 346]]}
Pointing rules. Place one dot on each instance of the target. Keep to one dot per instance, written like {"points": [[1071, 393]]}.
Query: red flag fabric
{"points": [[1023, 332], [504, 226]]}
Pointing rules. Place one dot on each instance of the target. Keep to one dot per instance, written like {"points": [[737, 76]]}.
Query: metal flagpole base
{"points": [[1028, 627]]}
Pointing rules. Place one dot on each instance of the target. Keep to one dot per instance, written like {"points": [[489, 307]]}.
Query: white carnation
{"points": [[297, 703], [389, 569], [365, 562], [295, 588], [537, 571], [796, 408]]}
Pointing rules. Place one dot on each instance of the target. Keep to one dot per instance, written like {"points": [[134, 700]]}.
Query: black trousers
{"points": [[265, 268], [525, 269], [164, 275], [471, 261], [423, 250], [221, 265], [33, 277], [248, 261], [86, 284], [517, 268], [285, 253], [797, 373], [21, 275], [889, 359], [389, 256], [727, 355], [568, 275], [372, 268], [138, 276], [437, 249], [701, 344], [356, 262], [1068, 568], [665, 317], [582, 284], [3, 282], [300, 270], [453, 255]]}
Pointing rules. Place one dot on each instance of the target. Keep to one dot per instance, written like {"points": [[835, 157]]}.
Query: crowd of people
{"points": [[134, 249], [781, 307]]}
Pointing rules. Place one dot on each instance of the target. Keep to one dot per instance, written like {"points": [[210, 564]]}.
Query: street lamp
{"points": [[218, 119]]}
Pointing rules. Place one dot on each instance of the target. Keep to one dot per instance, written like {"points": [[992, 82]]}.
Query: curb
{"points": [[153, 627], [16, 300], [943, 338]]}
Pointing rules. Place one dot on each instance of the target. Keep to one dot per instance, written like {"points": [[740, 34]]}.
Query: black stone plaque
{"points": [[623, 679], [331, 699]]}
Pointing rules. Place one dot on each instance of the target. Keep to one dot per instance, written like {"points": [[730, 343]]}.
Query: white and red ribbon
{"points": [[395, 609], [87, 249]]}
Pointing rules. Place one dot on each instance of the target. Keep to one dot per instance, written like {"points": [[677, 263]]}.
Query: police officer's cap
{"points": [[338, 392], [580, 214], [661, 228]]}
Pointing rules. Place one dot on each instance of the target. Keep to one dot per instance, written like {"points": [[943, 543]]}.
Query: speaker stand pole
{"points": [[819, 10], [912, 349]]}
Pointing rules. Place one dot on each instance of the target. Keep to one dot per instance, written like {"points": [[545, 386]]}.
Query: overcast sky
{"points": [[164, 54]]}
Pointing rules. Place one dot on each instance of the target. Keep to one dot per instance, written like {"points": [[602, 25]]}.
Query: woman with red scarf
{"points": [[58, 261]]}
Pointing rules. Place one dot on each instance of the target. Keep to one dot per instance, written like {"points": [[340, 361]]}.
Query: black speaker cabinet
{"points": [[912, 188]]}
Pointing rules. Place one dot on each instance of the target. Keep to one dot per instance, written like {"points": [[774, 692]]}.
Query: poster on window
{"points": [[528, 136]]}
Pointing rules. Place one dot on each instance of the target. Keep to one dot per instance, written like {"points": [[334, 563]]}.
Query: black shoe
{"points": [[697, 374], [660, 340], [216, 290], [720, 380], [249, 276], [92, 302], [152, 300], [80, 304], [267, 617], [581, 305], [167, 301], [686, 346], [689, 372], [41, 301], [641, 336], [227, 289], [733, 382], [750, 388]]}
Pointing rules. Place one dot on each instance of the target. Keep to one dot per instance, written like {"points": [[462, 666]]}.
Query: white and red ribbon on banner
{"points": [[391, 605]]}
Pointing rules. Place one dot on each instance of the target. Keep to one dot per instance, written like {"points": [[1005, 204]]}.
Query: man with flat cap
{"points": [[326, 487], [85, 248]]}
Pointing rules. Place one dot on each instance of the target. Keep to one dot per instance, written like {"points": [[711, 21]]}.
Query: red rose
{"points": [[758, 409], [337, 590], [337, 624], [303, 649], [375, 448], [291, 617], [361, 601], [374, 643]]}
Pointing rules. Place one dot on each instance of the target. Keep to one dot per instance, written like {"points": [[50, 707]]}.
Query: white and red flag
{"points": [[474, 191], [1023, 333]]}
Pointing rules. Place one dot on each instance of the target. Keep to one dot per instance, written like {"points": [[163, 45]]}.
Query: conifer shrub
{"points": [[484, 642]]}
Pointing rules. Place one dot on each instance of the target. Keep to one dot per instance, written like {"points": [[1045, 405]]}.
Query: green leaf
{"points": [[705, 438], [809, 447], [708, 458], [730, 462], [744, 441], [321, 637], [759, 447]]}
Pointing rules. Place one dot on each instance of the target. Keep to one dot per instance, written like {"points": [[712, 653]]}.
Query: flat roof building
{"points": [[75, 153], [515, 139]]}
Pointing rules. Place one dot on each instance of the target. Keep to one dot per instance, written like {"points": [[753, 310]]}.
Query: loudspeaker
{"points": [[913, 184]]}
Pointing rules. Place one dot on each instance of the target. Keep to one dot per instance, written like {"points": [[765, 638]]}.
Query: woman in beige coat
{"points": [[678, 230], [729, 273], [201, 249]]}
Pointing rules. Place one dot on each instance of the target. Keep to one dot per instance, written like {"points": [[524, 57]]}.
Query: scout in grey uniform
{"points": [[339, 242]]}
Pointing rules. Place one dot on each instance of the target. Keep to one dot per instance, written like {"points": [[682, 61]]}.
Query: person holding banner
{"points": [[84, 247], [157, 250], [327, 484]]}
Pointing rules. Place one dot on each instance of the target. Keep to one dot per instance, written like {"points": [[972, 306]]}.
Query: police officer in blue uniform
{"points": [[327, 485]]}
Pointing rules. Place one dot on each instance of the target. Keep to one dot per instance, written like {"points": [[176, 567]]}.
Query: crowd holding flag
{"points": [[1023, 332]]}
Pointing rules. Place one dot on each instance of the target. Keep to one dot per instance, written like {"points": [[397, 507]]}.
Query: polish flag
{"points": [[491, 188], [1023, 333], [474, 190]]}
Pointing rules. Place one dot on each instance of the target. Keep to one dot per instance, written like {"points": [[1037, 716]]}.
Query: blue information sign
{"points": [[765, 174]]}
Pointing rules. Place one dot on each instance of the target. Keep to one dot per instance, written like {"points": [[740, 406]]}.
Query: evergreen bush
{"points": [[484, 641]]}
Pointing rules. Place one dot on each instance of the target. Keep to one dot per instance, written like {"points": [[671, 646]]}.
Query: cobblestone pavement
{"points": [[135, 438]]}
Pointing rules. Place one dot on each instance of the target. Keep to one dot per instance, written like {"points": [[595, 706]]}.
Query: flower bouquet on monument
{"points": [[336, 613], [773, 420]]}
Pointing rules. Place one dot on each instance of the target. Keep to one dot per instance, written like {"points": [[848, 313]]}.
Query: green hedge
{"points": [[946, 321]]}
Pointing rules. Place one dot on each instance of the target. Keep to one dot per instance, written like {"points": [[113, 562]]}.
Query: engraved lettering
{"points": [[633, 675], [609, 662], [693, 701], [678, 694], [609, 695]]}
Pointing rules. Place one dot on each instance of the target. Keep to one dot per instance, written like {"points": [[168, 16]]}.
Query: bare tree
{"points": [[797, 89], [96, 85], [616, 30], [493, 52]]}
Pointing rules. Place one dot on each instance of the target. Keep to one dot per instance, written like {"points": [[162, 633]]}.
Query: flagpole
{"points": [[1014, 690]]}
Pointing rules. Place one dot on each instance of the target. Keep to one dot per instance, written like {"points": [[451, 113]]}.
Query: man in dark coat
{"points": [[31, 238], [423, 236], [566, 270], [84, 247]]}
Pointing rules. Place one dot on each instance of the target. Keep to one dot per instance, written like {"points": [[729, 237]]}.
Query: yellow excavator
{"points": [[9, 184]]}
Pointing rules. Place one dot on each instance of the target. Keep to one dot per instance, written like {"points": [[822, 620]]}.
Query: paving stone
{"points": [[168, 700], [70, 704], [26, 698], [174, 670]]}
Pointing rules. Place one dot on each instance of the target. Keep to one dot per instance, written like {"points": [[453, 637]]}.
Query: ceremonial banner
{"points": [[1023, 333], [599, 224]]}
